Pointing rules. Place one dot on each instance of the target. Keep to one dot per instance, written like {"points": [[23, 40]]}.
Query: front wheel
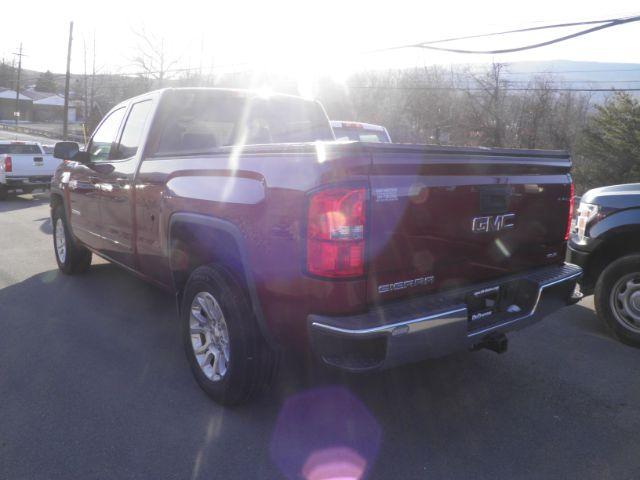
{"points": [[226, 351], [617, 298], [71, 257]]}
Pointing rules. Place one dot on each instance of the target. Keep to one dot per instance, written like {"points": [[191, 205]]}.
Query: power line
{"points": [[551, 80], [506, 32], [579, 81], [602, 24], [171, 70], [636, 69], [515, 89], [540, 44]]}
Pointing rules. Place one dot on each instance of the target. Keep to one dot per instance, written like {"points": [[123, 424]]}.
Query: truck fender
{"points": [[625, 221], [218, 226], [613, 237]]}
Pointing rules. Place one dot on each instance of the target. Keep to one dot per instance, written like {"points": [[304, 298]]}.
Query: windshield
{"points": [[200, 121], [361, 135]]}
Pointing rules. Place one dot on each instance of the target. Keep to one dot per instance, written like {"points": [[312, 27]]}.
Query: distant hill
{"points": [[579, 74], [567, 73]]}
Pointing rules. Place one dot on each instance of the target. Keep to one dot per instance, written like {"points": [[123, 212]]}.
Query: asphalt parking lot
{"points": [[94, 384]]}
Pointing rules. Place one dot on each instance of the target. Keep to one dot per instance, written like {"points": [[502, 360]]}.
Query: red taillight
{"points": [[335, 232], [571, 201], [8, 165]]}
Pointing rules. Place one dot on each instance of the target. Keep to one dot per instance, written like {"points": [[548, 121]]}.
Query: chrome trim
{"points": [[415, 325], [449, 316]]}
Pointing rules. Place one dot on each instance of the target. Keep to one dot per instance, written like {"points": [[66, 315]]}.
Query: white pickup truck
{"points": [[360, 132], [24, 166]]}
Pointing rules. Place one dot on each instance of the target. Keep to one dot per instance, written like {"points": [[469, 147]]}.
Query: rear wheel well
{"points": [[193, 245], [620, 245], [196, 240]]}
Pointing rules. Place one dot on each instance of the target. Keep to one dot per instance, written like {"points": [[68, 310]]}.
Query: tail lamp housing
{"points": [[8, 165], [336, 232], [570, 216]]}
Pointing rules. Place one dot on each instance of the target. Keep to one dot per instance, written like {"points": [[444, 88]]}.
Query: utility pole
{"points": [[16, 112], [161, 74], [93, 80], [65, 120], [85, 84]]}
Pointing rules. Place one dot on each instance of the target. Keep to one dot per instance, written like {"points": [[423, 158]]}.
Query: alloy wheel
{"points": [[209, 336], [61, 241]]}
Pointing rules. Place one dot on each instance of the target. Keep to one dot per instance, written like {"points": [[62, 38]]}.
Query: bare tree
{"points": [[488, 105], [152, 58]]}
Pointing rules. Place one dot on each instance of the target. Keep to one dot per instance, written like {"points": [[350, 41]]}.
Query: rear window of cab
{"points": [[19, 149]]}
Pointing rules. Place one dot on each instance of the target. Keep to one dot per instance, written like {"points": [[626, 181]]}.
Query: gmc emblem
{"points": [[493, 223]]}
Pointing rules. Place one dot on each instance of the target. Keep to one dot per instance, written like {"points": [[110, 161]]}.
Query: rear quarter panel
{"points": [[263, 192]]}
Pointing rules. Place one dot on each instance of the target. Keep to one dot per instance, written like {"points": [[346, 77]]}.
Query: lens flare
{"points": [[325, 433]]}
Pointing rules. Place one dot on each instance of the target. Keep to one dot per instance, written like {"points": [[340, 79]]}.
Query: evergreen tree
{"points": [[7, 74], [609, 149], [46, 83]]}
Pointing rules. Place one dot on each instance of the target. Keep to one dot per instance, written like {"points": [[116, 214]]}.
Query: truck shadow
{"points": [[587, 320], [112, 341], [19, 202], [45, 226]]}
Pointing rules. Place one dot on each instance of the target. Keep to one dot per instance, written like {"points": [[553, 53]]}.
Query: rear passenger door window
{"points": [[133, 131]]}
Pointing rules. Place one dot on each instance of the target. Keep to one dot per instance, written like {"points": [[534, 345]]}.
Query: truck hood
{"points": [[614, 196]]}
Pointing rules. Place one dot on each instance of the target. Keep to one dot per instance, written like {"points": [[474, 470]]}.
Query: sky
{"points": [[303, 38]]}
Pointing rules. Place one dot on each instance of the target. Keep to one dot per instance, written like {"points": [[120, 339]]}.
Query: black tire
{"points": [[77, 258], [4, 193], [606, 295], [251, 362]]}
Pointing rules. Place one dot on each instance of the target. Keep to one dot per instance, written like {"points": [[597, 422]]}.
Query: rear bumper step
{"points": [[439, 324], [32, 181]]}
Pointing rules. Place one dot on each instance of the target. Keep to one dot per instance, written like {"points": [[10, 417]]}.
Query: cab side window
{"points": [[105, 136], [133, 129]]}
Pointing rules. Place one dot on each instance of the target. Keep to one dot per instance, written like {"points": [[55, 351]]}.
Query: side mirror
{"points": [[70, 151]]}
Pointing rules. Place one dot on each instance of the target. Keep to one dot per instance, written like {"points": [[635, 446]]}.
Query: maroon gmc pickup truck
{"points": [[272, 235]]}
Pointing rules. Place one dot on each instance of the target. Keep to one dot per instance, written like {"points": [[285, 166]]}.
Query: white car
{"points": [[24, 166], [360, 132]]}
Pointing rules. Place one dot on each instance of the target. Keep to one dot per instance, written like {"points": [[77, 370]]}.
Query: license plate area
{"points": [[38, 161], [483, 303], [499, 303]]}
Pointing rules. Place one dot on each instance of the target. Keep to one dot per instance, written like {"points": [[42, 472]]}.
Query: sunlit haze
{"points": [[303, 38]]}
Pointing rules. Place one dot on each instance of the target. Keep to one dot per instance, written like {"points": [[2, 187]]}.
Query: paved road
{"points": [[24, 137], [94, 384]]}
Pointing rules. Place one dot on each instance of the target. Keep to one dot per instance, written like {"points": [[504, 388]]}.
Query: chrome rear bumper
{"points": [[439, 324]]}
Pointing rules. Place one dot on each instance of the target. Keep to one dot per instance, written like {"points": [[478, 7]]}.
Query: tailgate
{"points": [[33, 165], [441, 218]]}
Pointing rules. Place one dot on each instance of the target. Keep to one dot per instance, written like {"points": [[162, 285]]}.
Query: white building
{"points": [[48, 107], [8, 105]]}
